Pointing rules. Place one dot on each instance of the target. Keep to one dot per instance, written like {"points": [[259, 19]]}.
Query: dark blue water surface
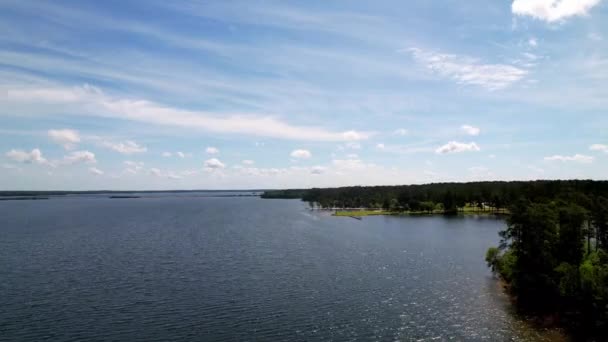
{"points": [[180, 268]]}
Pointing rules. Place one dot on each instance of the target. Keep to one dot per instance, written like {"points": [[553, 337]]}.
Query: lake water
{"points": [[178, 268]]}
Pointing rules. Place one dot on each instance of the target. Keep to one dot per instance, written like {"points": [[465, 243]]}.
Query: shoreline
{"points": [[367, 212]]}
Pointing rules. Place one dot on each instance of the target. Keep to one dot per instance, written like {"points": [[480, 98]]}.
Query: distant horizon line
{"points": [[294, 188]]}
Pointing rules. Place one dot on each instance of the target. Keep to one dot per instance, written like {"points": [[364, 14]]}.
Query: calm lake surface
{"points": [[177, 268]]}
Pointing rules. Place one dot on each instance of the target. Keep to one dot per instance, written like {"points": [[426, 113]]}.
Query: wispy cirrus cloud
{"points": [[468, 70], [578, 158], [93, 101]]}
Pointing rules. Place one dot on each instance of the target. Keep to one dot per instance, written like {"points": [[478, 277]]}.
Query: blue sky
{"points": [[265, 94]]}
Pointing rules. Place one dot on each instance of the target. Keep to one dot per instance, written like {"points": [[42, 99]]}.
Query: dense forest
{"points": [[553, 255], [447, 196]]}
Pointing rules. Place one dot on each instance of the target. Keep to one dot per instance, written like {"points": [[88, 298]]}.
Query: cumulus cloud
{"points": [[95, 171], [301, 154], [67, 138], [34, 156], [470, 130], [380, 146], [468, 70], [213, 164], [80, 157], [167, 154], [599, 147], [247, 162], [578, 158], [126, 147], [180, 154], [456, 147], [532, 42], [552, 10], [212, 150]]}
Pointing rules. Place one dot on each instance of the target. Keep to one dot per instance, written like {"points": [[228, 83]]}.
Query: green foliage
{"points": [[493, 258], [546, 263]]}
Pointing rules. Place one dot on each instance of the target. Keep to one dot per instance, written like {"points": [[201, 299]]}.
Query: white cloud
{"points": [[93, 101], [248, 162], [579, 158], [95, 171], [552, 10], [301, 154], [352, 156], [468, 70], [599, 147], [401, 131], [380, 146], [470, 130], [532, 42], [35, 156], [177, 154], [126, 147], [67, 138], [212, 150], [80, 157], [213, 164], [354, 135], [456, 147]]}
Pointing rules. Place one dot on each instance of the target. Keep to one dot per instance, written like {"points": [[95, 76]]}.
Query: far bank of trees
{"points": [[445, 197]]}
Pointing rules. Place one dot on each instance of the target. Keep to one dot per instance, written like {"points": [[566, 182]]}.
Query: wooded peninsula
{"points": [[553, 253]]}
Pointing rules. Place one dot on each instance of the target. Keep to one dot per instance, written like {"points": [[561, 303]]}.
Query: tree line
{"points": [[449, 197]]}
